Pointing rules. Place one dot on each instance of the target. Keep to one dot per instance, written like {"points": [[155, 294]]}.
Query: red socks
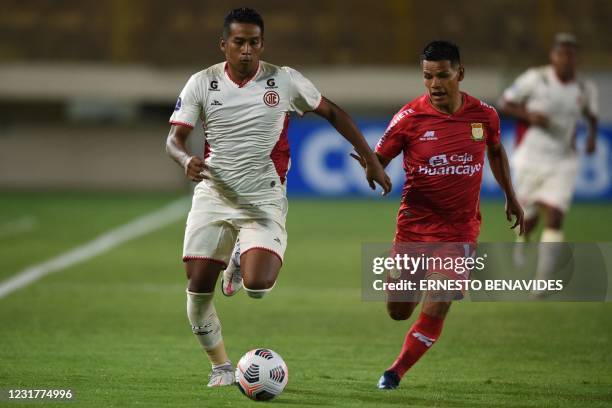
{"points": [[421, 336]]}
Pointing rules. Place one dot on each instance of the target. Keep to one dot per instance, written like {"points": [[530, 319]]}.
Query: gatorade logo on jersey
{"points": [[271, 98]]}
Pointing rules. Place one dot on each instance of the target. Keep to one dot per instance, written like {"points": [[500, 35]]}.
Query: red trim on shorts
{"points": [[265, 249], [281, 154], [177, 123], [203, 258]]}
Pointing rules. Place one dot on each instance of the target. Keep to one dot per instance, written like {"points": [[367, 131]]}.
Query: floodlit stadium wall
{"points": [[321, 165]]}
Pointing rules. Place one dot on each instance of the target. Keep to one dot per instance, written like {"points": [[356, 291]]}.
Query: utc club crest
{"points": [[271, 98], [477, 131]]}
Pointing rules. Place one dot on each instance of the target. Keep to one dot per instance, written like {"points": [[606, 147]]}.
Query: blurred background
{"points": [[86, 87]]}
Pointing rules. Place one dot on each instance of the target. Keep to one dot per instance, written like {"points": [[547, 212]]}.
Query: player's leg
{"points": [[554, 197], [207, 247], [260, 270], [420, 337], [527, 181], [263, 240], [203, 318]]}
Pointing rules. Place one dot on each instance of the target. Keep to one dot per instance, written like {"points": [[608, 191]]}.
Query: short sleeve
{"points": [[494, 131], [188, 105], [304, 96], [591, 98], [393, 140], [522, 87]]}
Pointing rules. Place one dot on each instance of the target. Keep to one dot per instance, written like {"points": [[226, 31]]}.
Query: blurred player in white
{"points": [[548, 102], [244, 106]]}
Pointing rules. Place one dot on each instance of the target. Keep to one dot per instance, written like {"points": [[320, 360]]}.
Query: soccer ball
{"points": [[261, 374]]}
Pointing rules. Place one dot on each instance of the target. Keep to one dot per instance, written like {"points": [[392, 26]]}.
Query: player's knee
{"points": [[259, 289], [403, 311], [437, 309]]}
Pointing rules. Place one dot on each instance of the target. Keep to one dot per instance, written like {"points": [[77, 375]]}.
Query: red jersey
{"points": [[443, 161]]}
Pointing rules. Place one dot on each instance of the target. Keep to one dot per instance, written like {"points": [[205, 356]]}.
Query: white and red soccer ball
{"points": [[261, 374]]}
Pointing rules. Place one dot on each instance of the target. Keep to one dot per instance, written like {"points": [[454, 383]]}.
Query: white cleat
{"points": [[221, 376], [231, 282]]}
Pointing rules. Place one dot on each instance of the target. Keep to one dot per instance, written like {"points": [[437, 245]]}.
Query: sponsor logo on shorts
{"points": [[216, 103], [454, 164]]}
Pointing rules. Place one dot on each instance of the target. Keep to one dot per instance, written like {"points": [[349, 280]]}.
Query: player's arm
{"points": [[592, 123], [590, 113], [498, 161], [176, 147], [343, 123], [513, 101], [518, 111]]}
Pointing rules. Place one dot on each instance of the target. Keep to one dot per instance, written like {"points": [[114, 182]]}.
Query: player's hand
{"points": [[591, 145], [374, 173], [538, 119], [514, 208], [359, 159], [195, 169]]}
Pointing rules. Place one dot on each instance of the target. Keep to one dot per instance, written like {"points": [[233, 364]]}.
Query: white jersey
{"points": [[540, 90], [245, 127]]}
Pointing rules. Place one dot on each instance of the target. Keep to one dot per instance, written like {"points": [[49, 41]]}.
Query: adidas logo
{"points": [[216, 103]]}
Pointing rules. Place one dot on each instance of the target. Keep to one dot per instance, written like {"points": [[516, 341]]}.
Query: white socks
{"points": [[203, 318], [548, 252]]}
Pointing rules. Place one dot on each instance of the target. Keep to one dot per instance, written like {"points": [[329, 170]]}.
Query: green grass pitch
{"points": [[113, 329]]}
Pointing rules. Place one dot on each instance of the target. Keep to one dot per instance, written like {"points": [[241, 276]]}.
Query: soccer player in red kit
{"points": [[443, 135]]}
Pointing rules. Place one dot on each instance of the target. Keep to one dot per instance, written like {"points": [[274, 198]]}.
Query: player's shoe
{"points": [[231, 282], [388, 381], [222, 375]]}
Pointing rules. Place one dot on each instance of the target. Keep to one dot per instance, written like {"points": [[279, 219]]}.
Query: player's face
{"points": [[564, 60], [442, 82], [243, 47]]}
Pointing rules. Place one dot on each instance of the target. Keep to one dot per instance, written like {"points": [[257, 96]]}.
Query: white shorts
{"points": [[552, 184], [214, 223]]}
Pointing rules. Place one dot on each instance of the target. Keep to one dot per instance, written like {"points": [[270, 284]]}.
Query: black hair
{"points": [[441, 51], [242, 15]]}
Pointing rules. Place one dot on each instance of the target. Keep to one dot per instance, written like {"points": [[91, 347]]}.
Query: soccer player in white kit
{"points": [[244, 106], [550, 101]]}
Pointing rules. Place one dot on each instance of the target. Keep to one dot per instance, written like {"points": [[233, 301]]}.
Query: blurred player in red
{"points": [[443, 135], [549, 101]]}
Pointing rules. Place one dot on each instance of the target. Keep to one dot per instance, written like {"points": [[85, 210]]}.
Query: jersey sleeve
{"points": [[522, 87], [591, 98], [188, 105], [493, 128], [304, 96], [393, 140]]}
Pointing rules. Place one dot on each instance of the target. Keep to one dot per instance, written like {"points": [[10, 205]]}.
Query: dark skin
{"points": [[441, 79], [242, 49], [564, 60]]}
